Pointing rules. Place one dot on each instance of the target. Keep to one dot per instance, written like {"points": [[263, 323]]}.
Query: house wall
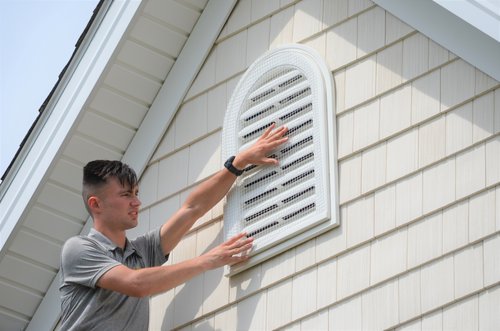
{"points": [[419, 169]]}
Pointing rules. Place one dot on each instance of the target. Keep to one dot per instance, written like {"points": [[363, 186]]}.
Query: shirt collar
{"points": [[110, 245]]}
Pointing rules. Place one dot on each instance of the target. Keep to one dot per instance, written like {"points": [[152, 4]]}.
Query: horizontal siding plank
{"points": [[186, 128], [482, 215], [303, 294], [251, 313], [188, 299], [385, 210], [353, 271], [388, 256], [371, 31], [346, 315], [314, 322], [174, 171], [409, 295], [307, 19], [279, 305], [462, 316], [468, 269], [204, 158], [380, 306], [489, 301], [457, 83], [341, 43], [425, 240], [455, 226], [437, 285]]}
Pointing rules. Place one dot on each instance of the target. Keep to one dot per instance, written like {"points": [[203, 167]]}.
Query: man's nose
{"points": [[136, 201]]}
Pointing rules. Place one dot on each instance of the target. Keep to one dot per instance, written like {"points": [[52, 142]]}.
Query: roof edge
{"points": [[450, 31]]}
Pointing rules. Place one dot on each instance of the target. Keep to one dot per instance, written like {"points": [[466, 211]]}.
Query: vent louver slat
{"points": [[274, 203]]}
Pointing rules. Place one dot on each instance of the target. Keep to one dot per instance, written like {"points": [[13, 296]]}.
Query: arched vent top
{"points": [[288, 86]]}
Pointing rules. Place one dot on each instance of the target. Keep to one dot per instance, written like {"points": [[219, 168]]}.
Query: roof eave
{"points": [[450, 31]]}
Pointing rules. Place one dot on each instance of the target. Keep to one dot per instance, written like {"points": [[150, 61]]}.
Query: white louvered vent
{"points": [[282, 206]]}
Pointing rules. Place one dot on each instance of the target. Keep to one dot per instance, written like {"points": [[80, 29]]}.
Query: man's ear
{"points": [[94, 203]]}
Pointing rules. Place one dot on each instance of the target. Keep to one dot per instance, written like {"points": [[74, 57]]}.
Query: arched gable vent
{"points": [[282, 206]]}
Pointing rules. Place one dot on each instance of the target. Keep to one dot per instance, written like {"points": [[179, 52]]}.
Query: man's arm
{"points": [[154, 280], [211, 191]]}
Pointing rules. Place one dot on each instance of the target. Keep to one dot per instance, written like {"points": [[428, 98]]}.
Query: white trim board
{"points": [[448, 30]]}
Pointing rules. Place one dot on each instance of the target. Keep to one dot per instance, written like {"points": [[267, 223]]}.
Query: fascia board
{"points": [[154, 125], [448, 30]]}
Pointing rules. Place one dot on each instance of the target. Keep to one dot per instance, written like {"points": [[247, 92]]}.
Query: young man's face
{"points": [[119, 206]]}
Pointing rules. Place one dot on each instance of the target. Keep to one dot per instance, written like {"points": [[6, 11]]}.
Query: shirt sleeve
{"points": [[84, 262], [149, 247]]}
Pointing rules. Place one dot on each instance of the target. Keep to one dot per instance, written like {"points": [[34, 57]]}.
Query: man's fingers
{"points": [[270, 161], [268, 130], [235, 238], [269, 134], [241, 249], [240, 243]]}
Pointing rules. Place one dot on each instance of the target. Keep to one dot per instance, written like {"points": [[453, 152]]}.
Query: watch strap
{"points": [[229, 166]]}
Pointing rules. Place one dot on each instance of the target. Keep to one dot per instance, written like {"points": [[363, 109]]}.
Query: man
{"points": [[106, 279]]}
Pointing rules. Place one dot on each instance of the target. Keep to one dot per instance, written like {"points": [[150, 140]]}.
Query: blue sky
{"points": [[37, 38]]}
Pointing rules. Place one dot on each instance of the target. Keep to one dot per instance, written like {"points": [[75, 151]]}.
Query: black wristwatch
{"points": [[229, 166]]}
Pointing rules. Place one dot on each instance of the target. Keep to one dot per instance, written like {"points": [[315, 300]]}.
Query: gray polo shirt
{"points": [[84, 260]]}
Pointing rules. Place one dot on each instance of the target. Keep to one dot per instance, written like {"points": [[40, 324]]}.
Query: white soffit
{"points": [[472, 43]]}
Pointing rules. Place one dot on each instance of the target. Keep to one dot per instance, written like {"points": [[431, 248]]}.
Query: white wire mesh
{"points": [[272, 203]]}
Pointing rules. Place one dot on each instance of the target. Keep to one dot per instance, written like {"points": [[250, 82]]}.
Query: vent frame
{"points": [[290, 61]]}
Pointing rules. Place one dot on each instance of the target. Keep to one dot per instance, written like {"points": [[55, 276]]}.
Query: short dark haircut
{"points": [[96, 174]]}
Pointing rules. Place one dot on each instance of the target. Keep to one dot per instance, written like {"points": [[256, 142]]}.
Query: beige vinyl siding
{"points": [[418, 150]]}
